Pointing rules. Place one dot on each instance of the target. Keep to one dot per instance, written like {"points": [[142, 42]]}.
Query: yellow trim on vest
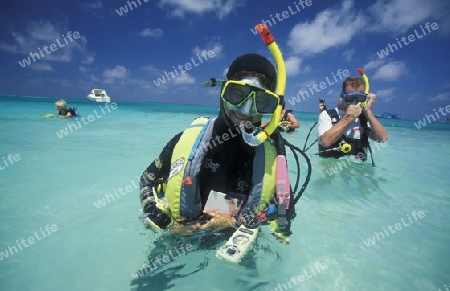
{"points": [[269, 179], [179, 160]]}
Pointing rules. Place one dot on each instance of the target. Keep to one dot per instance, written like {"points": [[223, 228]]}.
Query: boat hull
{"points": [[99, 99]]}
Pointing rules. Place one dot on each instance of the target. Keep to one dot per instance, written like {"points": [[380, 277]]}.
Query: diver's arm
{"points": [[332, 135], [378, 133], [294, 122], [160, 167], [265, 123]]}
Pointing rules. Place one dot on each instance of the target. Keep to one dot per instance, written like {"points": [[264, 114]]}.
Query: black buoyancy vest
{"points": [[359, 146], [285, 118], [72, 111]]}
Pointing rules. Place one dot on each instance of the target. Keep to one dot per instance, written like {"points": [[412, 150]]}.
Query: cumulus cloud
{"points": [[374, 64], [398, 16], [348, 54], [184, 78], [212, 44], [440, 97], [96, 8], [44, 33], [385, 95], [152, 70], [331, 27], [390, 71], [294, 66], [41, 67], [220, 7], [118, 72], [156, 32]]}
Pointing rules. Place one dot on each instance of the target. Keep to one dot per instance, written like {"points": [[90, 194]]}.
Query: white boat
{"points": [[98, 95]]}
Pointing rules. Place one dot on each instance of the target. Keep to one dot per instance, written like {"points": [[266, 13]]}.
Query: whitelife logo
{"points": [[53, 47], [412, 37], [11, 250]]}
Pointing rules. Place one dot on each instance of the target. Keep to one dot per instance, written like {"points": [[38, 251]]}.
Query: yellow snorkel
{"points": [[366, 85], [269, 41]]}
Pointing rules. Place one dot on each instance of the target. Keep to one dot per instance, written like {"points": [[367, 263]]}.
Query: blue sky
{"points": [[126, 54]]}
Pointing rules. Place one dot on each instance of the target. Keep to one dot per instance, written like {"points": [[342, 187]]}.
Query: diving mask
{"points": [[355, 97], [249, 97]]}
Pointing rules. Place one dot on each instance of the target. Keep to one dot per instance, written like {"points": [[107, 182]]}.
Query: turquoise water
{"points": [[48, 181]]}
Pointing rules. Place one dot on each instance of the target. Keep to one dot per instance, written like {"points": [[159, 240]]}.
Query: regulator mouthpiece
{"points": [[250, 137]]}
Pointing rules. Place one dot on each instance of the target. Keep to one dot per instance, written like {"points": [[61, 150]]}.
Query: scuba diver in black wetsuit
{"points": [[322, 105], [288, 122], [221, 155], [63, 111]]}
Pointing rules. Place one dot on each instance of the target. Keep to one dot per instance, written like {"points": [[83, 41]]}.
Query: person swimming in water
{"points": [[63, 111]]}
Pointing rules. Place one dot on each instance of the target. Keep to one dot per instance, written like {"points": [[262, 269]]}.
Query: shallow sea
{"points": [[56, 236]]}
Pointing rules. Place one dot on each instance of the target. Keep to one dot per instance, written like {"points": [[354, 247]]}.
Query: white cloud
{"points": [[374, 64], [398, 16], [156, 32], [225, 71], [440, 97], [184, 78], [221, 7], [333, 92], [151, 70], [212, 44], [348, 54], [331, 27], [293, 66], [119, 72], [93, 5], [41, 34], [144, 84], [414, 97], [391, 71], [63, 82], [88, 58], [385, 95], [41, 67], [95, 8]]}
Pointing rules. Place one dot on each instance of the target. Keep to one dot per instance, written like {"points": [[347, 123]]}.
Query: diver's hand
{"points": [[353, 111], [210, 220], [157, 216], [370, 102]]}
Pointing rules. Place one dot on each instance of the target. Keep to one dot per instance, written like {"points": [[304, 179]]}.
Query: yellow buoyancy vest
{"points": [[182, 191]]}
